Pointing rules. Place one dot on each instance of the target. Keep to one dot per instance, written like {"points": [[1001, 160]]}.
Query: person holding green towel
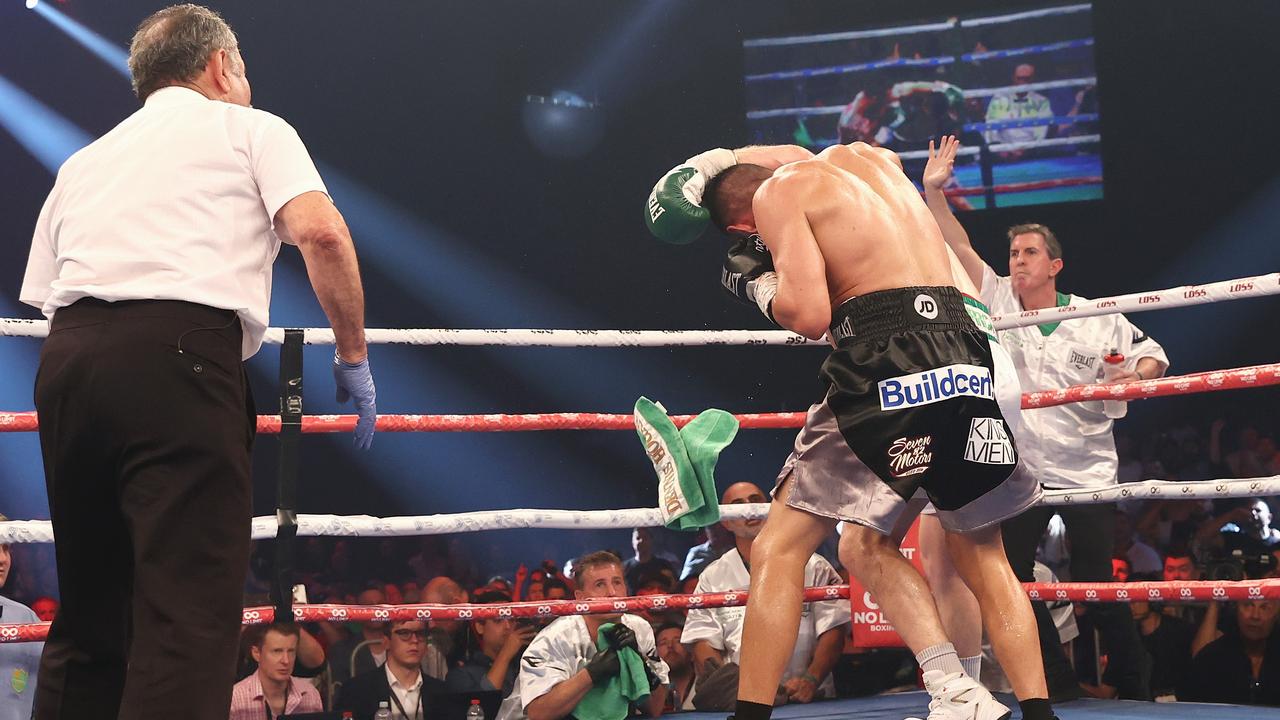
{"points": [[577, 668]]}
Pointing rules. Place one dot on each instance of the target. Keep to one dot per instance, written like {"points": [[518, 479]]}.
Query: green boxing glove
{"points": [[674, 212]]}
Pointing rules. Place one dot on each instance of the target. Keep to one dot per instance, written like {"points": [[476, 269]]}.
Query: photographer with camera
{"points": [[1251, 532], [1246, 527], [494, 662], [1234, 567]]}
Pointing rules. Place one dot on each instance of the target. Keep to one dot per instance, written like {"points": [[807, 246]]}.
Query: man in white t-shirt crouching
{"points": [[716, 634], [563, 663]]}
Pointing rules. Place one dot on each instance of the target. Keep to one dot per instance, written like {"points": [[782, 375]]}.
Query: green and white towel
{"points": [[685, 461], [612, 701]]}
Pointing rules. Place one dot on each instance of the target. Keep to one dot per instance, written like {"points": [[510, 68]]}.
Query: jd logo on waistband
{"points": [[926, 306], [933, 386]]}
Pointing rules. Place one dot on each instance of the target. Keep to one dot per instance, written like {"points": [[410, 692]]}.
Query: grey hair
{"points": [[174, 44]]}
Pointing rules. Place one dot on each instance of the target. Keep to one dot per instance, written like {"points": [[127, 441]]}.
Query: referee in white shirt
{"points": [[152, 258], [1068, 446]]}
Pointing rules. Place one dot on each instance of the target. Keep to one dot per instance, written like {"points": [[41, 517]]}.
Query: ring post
{"points": [[287, 478], [985, 162]]}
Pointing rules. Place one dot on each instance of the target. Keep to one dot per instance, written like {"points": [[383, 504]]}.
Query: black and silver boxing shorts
{"points": [[910, 412]]}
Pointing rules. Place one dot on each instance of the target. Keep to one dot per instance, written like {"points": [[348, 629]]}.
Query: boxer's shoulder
{"points": [[797, 187], [798, 177]]}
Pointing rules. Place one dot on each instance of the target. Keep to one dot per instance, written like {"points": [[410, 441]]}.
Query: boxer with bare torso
{"points": [[853, 253]]}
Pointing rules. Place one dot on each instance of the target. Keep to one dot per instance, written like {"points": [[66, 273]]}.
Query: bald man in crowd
{"points": [[1017, 102], [716, 634], [444, 643]]}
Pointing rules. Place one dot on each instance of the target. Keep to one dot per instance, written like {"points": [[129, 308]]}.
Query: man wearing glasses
{"points": [[399, 682]]}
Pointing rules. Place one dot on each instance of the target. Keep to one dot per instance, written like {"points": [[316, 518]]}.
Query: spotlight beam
{"points": [[110, 53], [48, 136]]}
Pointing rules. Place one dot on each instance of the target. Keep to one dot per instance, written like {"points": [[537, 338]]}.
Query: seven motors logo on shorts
{"points": [[933, 386], [910, 455], [989, 443]]}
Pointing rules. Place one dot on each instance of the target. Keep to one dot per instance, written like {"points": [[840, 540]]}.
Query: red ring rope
{"points": [[1024, 186], [1187, 591], [1236, 379]]}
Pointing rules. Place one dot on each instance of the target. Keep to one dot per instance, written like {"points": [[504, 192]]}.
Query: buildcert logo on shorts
{"points": [[933, 386]]}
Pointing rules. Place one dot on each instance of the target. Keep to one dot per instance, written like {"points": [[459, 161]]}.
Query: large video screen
{"points": [[1017, 88]]}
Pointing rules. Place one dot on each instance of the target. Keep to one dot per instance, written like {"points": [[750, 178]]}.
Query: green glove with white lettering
{"points": [[674, 212]]}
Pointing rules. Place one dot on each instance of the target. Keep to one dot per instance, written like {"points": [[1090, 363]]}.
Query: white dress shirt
{"points": [[177, 202], [1067, 446], [563, 648], [408, 695], [722, 627]]}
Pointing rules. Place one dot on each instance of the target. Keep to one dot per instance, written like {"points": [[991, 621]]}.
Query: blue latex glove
{"points": [[355, 383]]}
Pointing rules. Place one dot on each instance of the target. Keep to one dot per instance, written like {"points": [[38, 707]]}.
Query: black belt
{"points": [[885, 312]]}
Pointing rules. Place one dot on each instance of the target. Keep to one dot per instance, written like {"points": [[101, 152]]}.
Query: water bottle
{"points": [[384, 711], [475, 712], [1112, 366]]}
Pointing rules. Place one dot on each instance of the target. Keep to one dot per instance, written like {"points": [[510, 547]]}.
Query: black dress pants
{"points": [[1091, 531], [146, 426]]}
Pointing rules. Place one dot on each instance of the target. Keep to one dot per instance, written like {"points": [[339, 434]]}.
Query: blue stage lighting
{"points": [[401, 244], [44, 133], [110, 53]]}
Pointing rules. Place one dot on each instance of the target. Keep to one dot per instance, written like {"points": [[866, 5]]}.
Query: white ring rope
{"points": [[1239, 288], [1046, 85], [975, 93], [1010, 146], [935, 61], [41, 531], [850, 35], [1247, 287], [913, 29], [1027, 15]]}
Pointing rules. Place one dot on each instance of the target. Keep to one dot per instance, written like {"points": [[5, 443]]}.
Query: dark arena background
{"points": [[493, 158]]}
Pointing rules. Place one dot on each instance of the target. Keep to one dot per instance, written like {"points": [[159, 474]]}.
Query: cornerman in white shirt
{"points": [[152, 260], [1067, 446], [716, 634], [562, 663]]}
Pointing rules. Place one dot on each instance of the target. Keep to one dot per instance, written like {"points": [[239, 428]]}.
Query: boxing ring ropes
{"points": [[287, 524]]}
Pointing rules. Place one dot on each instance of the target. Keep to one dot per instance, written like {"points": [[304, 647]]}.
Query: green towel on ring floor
{"points": [[612, 701], [685, 460]]}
